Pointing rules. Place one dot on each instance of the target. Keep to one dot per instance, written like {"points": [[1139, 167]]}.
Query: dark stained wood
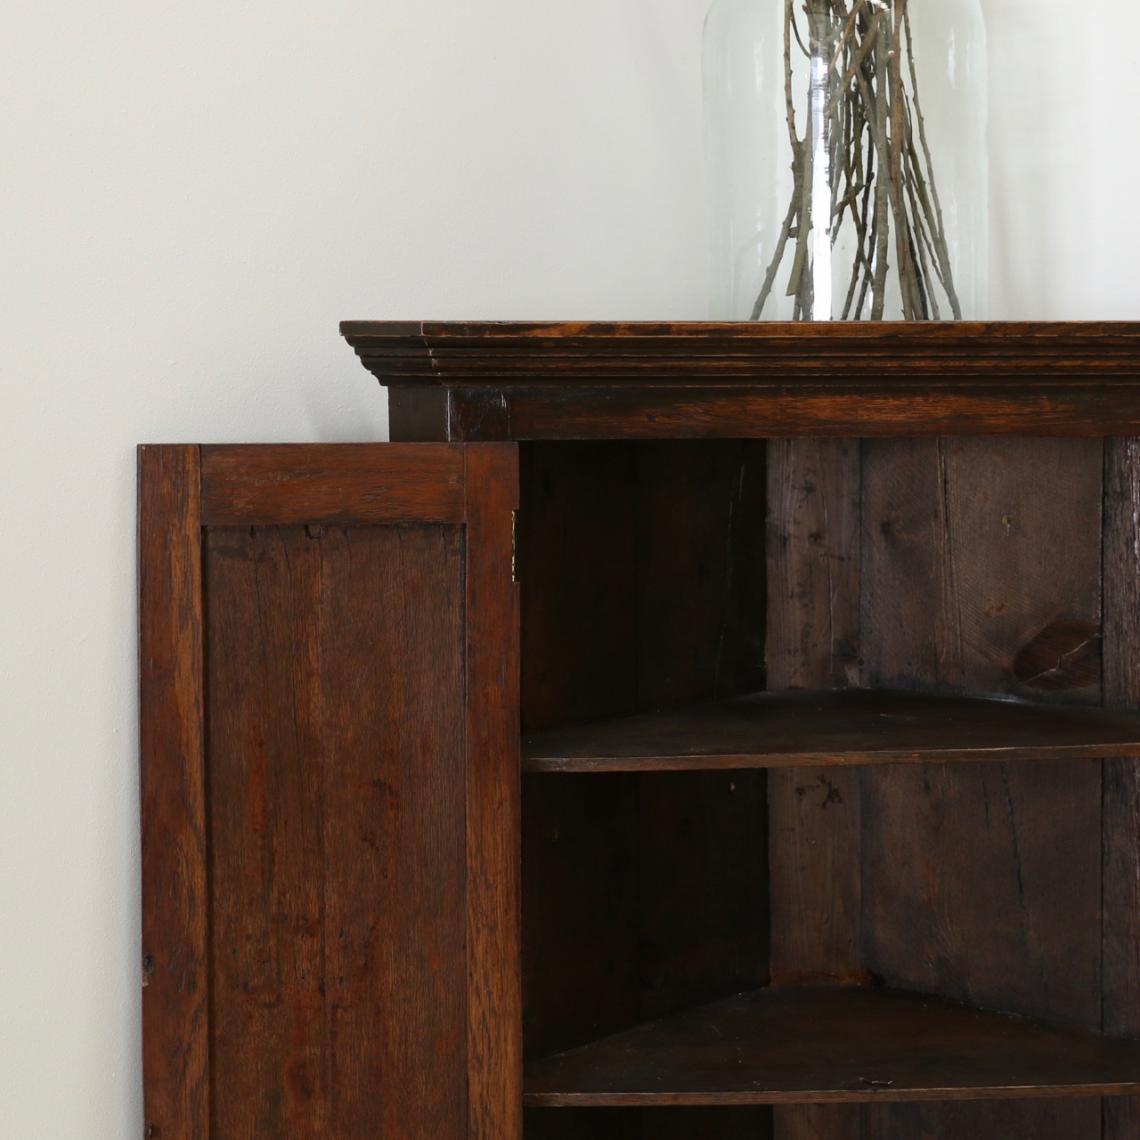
{"points": [[175, 891], [336, 742], [715, 412], [642, 570], [580, 939], [641, 895], [813, 529], [478, 414], [642, 582], [492, 797], [659, 381], [581, 869], [417, 415], [456, 354], [577, 551], [813, 545], [360, 791], [715, 529], [702, 895], [327, 483], [799, 730], [844, 1045], [672, 1123], [1121, 792], [980, 881], [969, 1118], [681, 1123], [700, 570], [572, 1124]]}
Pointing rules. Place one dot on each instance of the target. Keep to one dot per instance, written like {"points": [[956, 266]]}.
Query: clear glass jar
{"points": [[847, 151]]}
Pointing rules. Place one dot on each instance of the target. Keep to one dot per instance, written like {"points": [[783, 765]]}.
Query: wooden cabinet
{"points": [[694, 731]]}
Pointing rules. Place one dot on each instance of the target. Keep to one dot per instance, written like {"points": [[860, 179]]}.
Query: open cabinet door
{"points": [[330, 792]]}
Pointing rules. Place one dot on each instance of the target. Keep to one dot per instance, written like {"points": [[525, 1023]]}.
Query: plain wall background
{"points": [[194, 194]]}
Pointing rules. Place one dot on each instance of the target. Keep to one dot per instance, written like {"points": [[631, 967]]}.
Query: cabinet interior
{"points": [[661, 575]]}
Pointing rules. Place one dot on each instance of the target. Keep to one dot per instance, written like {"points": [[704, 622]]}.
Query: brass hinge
{"points": [[514, 546]]}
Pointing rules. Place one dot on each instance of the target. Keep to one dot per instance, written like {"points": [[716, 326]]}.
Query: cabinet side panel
{"points": [[982, 882], [335, 662], [642, 585], [814, 814], [175, 891], [1122, 777]]}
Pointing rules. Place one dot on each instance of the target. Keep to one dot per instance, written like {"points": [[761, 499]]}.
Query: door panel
{"points": [[356, 791]]}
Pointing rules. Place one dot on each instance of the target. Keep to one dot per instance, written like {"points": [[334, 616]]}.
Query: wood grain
{"points": [[175, 888], [282, 484], [418, 415], [1121, 793], [835, 730], [643, 576], [840, 1046], [337, 851], [642, 583], [813, 545], [462, 354], [711, 411], [661, 381], [982, 882], [358, 784], [492, 799]]}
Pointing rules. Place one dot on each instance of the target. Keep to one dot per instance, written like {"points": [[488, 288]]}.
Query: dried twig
{"points": [[880, 171]]}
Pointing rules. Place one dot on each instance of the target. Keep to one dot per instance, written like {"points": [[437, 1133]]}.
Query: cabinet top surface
{"points": [[453, 352], [570, 380]]}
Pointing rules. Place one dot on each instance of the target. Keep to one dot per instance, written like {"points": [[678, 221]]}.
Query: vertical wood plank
{"points": [[267, 858], [577, 562], [1122, 777], [174, 877], [391, 624], [700, 568], [982, 571], [494, 851], [813, 643], [814, 815], [336, 676], [702, 895]]}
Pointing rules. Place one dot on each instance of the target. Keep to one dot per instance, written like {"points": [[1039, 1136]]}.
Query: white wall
{"points": [[193, 194]]}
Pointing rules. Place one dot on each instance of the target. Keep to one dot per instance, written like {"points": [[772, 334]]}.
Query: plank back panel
{"points": [[982, 571], [813, 545], [1121, 799]]}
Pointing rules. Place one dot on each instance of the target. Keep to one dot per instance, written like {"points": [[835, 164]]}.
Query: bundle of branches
{"points": [[863, 159]]}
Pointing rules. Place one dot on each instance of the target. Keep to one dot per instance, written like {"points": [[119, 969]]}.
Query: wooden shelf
{"points": [[774, 730], [839, 1045]]}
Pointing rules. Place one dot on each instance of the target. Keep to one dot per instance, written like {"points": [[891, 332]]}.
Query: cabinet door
{"points": [[330, 792]]}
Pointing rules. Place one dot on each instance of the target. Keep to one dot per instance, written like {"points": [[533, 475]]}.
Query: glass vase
{"points": [[847, 151]]}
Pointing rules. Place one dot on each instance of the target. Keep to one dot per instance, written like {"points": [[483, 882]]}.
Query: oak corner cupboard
{"points": [[680, 732]]}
